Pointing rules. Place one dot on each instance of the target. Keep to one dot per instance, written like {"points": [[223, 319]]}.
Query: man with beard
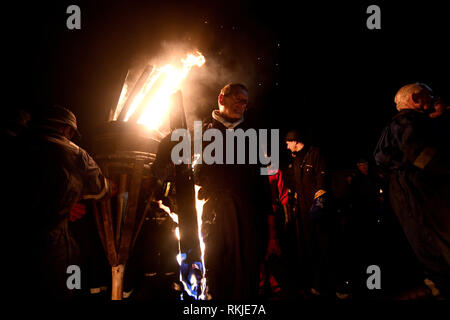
{"points": [[419, 181], [237, 211]]}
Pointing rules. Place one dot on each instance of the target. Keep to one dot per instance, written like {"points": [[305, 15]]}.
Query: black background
{"points": [[319, 69]]}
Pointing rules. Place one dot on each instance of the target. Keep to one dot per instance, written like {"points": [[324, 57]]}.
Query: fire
{"points": [[192, 287], [173, 215], [199, 208], [154, 96]]}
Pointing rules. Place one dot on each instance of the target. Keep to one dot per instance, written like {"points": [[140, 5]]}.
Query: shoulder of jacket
{"points": [[63, 142], [314, 150], [406, 116]]}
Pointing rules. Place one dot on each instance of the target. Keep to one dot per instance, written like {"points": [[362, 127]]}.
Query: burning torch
{"points": [[126, 149]]}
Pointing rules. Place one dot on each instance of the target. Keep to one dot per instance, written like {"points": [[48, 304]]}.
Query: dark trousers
{"points": [[316, 269]]}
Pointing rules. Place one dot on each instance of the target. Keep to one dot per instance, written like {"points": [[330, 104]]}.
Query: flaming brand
{"points": [[213, 152], [146, 99]]}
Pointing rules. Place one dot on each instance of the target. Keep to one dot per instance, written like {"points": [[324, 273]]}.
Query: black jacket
{"points": [[419, 188], [238, 201], [307, 174], [55, 174]]}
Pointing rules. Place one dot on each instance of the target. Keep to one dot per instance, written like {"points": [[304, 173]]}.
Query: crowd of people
{"points": [[302, 232]]}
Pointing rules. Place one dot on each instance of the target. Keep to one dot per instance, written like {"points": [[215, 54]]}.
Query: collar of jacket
{"points": [[302, 152], [229, 125], [55, 136], [410, 111]]}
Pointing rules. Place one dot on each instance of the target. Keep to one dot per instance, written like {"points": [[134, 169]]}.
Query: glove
{"points": [[319, 206], [78, 210]]}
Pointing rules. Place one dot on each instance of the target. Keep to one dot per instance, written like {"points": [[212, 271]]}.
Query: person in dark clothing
{"points": [[308, 181], [57, 174], [237, 211], [419, 181]]}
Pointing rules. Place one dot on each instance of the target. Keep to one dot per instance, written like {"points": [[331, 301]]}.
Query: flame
{"points": [[196, 158], [191, 289], [173, 215], [165, 80], [199, 208], [180, 259], [121, 102]]}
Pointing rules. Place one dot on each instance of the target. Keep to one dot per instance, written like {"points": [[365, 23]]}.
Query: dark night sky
{"points": [[316, 67]]}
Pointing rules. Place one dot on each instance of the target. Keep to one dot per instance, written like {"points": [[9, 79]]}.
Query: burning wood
{"points": [[149, 99], [125, 149], [122, 109]]}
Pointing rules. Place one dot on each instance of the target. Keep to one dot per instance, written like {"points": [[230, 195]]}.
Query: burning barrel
{"points": [[125, 149], [124, 152]]}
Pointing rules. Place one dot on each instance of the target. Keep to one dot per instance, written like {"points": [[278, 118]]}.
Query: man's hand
{"points": [[320, 205], [78, 210]]}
